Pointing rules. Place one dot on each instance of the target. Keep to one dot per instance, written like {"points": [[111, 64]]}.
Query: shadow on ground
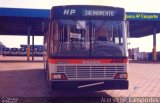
{"points": [[30, 86]]}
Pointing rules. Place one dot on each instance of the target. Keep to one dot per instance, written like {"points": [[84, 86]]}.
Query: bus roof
{"points": [[87, 12]]}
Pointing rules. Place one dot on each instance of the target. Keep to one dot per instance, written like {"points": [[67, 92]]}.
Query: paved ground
{"points": [[144, 81], [27, 80], [22, 79], [18, 58]]}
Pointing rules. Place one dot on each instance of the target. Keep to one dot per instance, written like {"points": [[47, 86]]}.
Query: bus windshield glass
{"points": [[87, 38]]}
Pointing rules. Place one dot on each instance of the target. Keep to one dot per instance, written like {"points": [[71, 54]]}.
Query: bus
{"points": [[6, 51], [39, 51], [36, 49], [85, 48], [14, 52], [22, 51]]}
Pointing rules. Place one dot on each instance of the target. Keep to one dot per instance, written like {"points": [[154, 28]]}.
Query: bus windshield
{"points": [[87, 38]]}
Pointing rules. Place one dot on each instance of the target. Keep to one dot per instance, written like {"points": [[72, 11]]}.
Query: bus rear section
{"points": [[86, 48]]}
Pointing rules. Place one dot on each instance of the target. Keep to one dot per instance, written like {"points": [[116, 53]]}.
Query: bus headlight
{"points": [[58, 76], [121, 76]]}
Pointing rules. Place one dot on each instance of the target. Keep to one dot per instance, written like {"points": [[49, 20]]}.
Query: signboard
{"points": [[75, 35], [87, 12], [142, 16]]}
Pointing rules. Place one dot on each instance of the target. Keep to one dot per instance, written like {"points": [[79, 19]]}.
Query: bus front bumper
{"points": [[90, 85]]}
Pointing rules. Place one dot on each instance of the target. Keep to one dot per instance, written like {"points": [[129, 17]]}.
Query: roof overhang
{"points": [[15, 21]]}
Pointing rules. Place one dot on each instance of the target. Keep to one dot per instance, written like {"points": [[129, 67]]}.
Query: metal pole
{"points": [[33, 51], [28, 43], [154, 45]]}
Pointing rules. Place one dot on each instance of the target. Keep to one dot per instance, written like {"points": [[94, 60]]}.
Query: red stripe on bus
{"points": [[87, 61]]}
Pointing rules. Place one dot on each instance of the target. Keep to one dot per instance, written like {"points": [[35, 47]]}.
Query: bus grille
{"points": [[98, 72]]}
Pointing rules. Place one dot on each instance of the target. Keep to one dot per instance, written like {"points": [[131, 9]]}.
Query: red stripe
{"points": [[87, 61]]}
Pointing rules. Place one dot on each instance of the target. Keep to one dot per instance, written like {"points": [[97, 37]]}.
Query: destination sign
{"points": [[98, 13], [88, 12], [142, 16]]}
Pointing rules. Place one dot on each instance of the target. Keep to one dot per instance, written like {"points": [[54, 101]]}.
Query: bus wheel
{"points": [[50, 85], [47, 77], [46, 70]]}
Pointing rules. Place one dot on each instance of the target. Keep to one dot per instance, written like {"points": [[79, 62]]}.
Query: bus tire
{"points": [[47, 77], [45, 68]]}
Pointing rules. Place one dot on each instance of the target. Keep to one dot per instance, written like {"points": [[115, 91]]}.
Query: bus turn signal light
{"points": [[58, 76], [121, 76]]}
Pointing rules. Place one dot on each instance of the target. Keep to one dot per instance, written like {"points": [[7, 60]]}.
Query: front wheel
{"points": [[47, 77]]}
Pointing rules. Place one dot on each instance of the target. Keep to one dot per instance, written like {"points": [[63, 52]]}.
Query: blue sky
{"points": [[129, 5]]}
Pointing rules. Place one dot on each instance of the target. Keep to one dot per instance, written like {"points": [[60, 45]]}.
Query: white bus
{"points": [[86, 48]]}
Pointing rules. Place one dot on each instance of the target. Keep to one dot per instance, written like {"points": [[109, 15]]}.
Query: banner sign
{"points": [[142, 16]]}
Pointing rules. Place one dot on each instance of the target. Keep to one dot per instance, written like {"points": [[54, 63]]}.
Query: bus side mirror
{"points": [[128, 32]]}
